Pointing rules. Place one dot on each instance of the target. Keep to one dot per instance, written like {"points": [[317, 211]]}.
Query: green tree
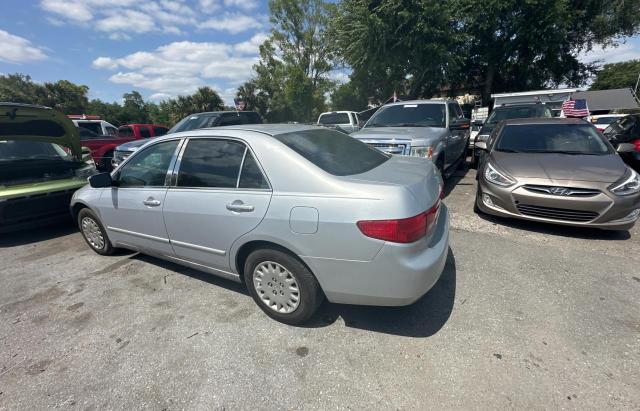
{"points": [[617, 75], [18, 88], [63, 95], [348, 96]]}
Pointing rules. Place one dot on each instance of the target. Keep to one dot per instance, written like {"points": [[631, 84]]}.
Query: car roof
{"points": [[269, 129], [505, 106], [545, 120], [401, 103]]}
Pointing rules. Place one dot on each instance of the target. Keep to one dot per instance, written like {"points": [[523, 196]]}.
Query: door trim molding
{"points": [[198, 247], [141, 235]]}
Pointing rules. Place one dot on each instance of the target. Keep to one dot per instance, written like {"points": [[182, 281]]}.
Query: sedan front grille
{"points": [[562, 191], [561, 214], [390, 148]]}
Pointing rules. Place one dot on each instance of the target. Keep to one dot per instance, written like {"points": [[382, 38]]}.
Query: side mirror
{"points": [[101, 180], [625, 148], [460, 124], [480, 145], [86, 153]]}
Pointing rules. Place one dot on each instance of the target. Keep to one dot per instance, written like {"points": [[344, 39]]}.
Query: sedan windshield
{"points": [[410, 115], [194, 122], [508, 113], [334, 152], [31, 150], [552, 138]]}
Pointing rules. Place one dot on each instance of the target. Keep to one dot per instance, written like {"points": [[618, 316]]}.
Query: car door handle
{"points": [[239, 207], [151, 202]]}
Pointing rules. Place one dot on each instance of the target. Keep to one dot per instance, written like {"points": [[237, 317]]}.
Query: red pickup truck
{"points": [[142, 130], [101, 146]]}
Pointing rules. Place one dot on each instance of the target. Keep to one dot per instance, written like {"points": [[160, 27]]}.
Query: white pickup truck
{"points": [[346, 120]]}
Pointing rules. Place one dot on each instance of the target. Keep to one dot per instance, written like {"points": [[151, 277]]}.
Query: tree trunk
{"points": [[488, 85]]}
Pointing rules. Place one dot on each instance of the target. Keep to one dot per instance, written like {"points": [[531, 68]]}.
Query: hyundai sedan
{"points": [[560, 171], [297, 213]]}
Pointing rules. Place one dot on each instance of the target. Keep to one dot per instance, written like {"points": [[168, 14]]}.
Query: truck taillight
{"points": [[405, 230]]}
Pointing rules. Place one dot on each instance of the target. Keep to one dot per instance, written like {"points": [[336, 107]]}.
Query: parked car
{"points": [[94, 123], [343, 120], [41, 165], [433, 129], [193, 122], [138, 131], [101, 146], [560, 171], [351, 224], [507, 112], [602, 121], [626, 130]]}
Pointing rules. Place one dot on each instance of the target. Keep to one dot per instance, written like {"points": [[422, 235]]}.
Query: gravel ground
{"points": [[524, 316]]}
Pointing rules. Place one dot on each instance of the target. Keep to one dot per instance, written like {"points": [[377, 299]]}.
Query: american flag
{"points": [[575, 108]]}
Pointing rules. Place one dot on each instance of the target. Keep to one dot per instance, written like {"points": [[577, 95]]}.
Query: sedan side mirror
{"points": [[101, 180], [460, 124], [481, 145], [625, 148]]}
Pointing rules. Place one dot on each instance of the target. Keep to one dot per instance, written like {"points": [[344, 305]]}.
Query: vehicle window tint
{"points": [[249, 117], [159, 131], [125, 131], [144, 132], [552, 138], [334, 152], [86, 134], [149, 167], [251, 176], [410, 115], [95, 127], [334, 118], [231, 120], [211, 163], [112, 131], [194, 122]]}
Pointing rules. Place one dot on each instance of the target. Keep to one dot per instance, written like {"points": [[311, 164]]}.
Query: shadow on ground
{"points": [[37, 234]]}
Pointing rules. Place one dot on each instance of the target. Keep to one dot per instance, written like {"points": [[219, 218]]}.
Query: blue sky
{"points": [[161, 48]]}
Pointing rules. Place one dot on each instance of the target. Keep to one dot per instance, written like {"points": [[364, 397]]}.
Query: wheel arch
{"points": [[244, 250]]}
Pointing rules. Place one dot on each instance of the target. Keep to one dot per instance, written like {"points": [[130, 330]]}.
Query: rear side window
{"points": [[144, 132], [159, 131], [125, 131], [210, 163], [251, 176], [334, 118], [334, 152]]}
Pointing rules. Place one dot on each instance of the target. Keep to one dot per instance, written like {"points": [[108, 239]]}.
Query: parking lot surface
{"points": [[524, 316]]}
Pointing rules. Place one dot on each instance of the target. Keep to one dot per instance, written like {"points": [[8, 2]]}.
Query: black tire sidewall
{"points": [[311, 295], [108, 247]]}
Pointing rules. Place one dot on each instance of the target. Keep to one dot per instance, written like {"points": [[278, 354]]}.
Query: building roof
{"points": [[619, 98]]}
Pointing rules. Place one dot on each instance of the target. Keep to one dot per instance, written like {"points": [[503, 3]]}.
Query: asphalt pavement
{"points": [[525, 316]]}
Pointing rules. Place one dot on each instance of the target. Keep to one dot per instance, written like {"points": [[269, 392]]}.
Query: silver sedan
{"points": [[298, 213]]}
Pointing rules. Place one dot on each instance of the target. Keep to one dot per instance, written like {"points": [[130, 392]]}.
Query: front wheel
{"points": [[282, 286], [94, 233]]}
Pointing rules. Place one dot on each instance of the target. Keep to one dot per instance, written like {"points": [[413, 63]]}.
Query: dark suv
{"points": [[193, 122]]}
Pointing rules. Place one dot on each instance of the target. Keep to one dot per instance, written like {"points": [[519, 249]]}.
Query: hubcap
{"points": [[276, 287], [93, 234]]}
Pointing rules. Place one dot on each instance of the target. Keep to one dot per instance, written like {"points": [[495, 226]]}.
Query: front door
{"points": [[131, 211], [220, 194]]}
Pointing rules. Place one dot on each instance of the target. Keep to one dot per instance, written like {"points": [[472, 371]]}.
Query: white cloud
{"points": [[252, 46], [181, 67], [339, 76], [15, 49], [623, 52], [128, 20], [242, 4], [233, 23], [75, 10]]}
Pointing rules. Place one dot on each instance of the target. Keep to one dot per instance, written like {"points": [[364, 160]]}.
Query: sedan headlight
{"points": [[629, 186], [494, 176], [426, 152]]}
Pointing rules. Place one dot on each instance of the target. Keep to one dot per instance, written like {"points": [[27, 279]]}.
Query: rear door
{"points": [[220, 193], [457, 141]]}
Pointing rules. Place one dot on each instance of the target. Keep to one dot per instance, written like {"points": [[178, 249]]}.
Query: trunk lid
{"points": [[23, 122]]}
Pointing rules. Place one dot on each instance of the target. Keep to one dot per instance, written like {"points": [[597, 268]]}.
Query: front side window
{"points": [[552, 138], [334, 152], [125, 131], [149, 167], [410, 115], [210, 163]]}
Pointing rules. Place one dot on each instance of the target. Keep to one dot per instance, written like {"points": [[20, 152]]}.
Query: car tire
{"points": [[94, 233], [282, 286]]}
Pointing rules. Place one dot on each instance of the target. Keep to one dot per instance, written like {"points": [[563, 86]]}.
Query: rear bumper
{"points": [[399, 274], [36, 210]]}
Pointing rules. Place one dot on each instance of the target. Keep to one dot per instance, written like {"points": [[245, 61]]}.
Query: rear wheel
{"points": [[282, 286], [94, 233]]}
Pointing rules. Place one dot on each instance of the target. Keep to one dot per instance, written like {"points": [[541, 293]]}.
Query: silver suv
{"points": [[434, 129]]}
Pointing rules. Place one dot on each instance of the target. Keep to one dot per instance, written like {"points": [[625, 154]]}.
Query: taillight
{"points": [[405, 230], [637, 144]]}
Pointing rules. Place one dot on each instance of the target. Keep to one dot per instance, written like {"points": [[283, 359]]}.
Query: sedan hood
{"points": [[132, 145], [555, 166], [38, 123], [399, 133]]}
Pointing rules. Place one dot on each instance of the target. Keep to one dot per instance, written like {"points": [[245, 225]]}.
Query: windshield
{"points": [[334, 118], [334, 152], [507, 113], [410, 115], [605, 120], [31, 150], [194, 122], [552, 138]]}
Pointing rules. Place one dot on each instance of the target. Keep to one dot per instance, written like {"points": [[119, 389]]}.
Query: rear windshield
{"points": [[410, 115], [507, 113], [552, 138], [194, 122], [605, 120], [95, 127], [334, 118], [334, 152]]}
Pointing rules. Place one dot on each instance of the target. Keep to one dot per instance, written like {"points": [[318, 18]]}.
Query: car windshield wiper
{"points": [[508, 150]]}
